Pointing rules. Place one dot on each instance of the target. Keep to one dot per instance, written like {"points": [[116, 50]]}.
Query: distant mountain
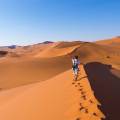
{"points": [[12, 47], [47, 42]]}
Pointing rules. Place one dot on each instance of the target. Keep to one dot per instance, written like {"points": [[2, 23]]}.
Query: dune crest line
{"points": [[59, 98]]}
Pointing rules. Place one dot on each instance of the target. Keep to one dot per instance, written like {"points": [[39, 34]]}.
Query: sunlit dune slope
{"points": [[55, 50], [113, 42], [41, 81], [55, 99], [15, 72], [29, 64]]}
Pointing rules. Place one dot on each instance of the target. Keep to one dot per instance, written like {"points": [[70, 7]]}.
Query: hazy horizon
{"points": [[26, 22]]}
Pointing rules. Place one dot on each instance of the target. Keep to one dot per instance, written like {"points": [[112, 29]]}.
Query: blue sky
{"points": [[32, 21]]}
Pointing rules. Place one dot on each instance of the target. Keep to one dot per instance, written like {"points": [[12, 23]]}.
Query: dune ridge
{"points": [[37, 81], [59, 98], [112, 42]]}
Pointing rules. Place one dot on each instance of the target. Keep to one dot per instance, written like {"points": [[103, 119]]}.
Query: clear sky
{"points": [[33, 21]]}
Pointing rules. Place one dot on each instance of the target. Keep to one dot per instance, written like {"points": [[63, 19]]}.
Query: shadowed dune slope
{"points": [[3, 53], [106, 85]]}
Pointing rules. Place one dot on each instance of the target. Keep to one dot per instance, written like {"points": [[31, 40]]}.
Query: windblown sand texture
{"points": [[36, 82]]}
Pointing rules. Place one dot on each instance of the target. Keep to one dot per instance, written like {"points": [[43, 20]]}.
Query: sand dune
{"points": [[36, 82], [14, 72], [105, 81], [113, 42], [53, 51], [59, 98]]}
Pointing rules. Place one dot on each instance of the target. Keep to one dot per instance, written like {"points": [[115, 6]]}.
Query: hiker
{"points": [[75, 67]]}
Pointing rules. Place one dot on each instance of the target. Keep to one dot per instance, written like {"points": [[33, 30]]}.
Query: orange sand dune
{"points": [[113, 42], [41, 62], [105, 81], [56, 99], [55, 52], [36, 82], [16, 72]]}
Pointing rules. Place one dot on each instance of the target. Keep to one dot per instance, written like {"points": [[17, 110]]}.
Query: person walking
{"points": [[75, 66]]}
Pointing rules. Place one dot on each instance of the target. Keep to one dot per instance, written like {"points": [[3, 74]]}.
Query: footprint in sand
{"points": [[84, 97], [95, 114], [80, 89], [77, 118], [75, 85], [83, 109], [78, 83], [86, 110], [91, 101], [81, 104], [83, 93], [81, 86]]}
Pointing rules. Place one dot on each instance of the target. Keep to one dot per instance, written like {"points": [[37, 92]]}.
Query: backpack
{"points": [[75, 63]]}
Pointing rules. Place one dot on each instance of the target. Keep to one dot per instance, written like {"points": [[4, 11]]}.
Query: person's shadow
{"points": [[106, 87]]}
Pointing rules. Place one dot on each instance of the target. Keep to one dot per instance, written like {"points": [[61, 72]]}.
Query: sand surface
{"points": [[58, 98], [36, 82]]}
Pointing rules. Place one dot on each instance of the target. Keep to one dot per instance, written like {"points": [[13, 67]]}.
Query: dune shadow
{"points": [[3, 53], [106, 87]]}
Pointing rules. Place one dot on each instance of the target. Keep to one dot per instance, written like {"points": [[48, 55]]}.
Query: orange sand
{"points": [[36, 82], [58, 98]]}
